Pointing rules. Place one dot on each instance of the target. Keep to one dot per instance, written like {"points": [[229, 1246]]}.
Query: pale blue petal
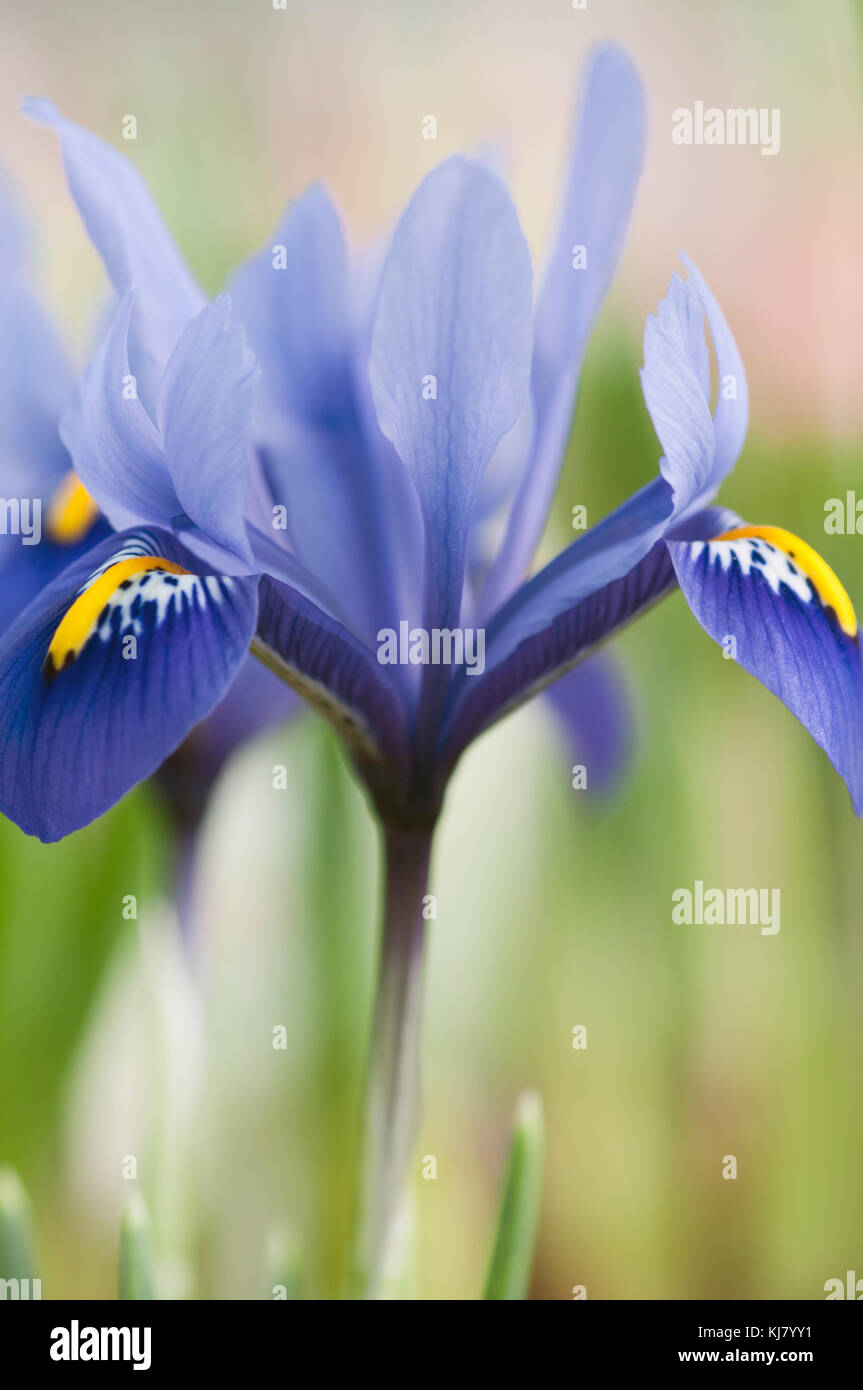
{"points": [[127, 230], [339, 486], [604, 168], [451, 355], [114, 445], [731, 416], [205, 412], [675, 380], [292, 299]]}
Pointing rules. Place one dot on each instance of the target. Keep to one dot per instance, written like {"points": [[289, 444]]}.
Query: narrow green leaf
{"points": [[16, 1242], [136, 1253], [284, 1265], [512, 1256]]}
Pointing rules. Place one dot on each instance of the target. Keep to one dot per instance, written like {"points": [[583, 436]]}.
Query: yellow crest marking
{"points": [[78, 623], [71, 511], [827, 584]]}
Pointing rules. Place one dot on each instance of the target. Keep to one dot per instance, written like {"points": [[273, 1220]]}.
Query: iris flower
{"points": [[307, 465], [58, 521]]}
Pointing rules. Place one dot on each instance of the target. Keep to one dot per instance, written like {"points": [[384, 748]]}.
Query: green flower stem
{"points": [[392, 1107]]}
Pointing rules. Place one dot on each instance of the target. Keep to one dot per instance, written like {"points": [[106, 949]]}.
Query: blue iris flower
{"points": [[308, 468]]}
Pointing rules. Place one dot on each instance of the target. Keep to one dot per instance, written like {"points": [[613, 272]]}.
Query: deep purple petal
{"points": [[478, 702], [338, 676], [606, 552], [785, 618], [77, 738]]}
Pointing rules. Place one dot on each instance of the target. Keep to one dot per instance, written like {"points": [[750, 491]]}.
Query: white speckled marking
{"points": [[775, 566], [164, 590]]}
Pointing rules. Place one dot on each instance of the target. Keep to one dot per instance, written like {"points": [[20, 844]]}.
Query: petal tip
{"points": [[41, 111]]}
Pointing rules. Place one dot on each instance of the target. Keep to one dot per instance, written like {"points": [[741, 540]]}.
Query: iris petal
{"points": [[604, 169], [345, 494], [780, 611], [675, 380], [127, 230], [205, 412], [97, 694], [113, 443], [339, 676], [293, 301], [451, 355], [550, 653], [731, 414]]}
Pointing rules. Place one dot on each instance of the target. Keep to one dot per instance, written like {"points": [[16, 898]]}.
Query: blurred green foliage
{"points": [[61, 919]]}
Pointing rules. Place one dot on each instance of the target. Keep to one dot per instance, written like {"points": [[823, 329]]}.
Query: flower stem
{"points": [[392, 1108]]}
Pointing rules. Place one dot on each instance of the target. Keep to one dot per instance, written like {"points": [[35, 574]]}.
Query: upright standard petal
{"points": [[331, 480], [779, 610], [127, 230], [292, 299], [675, 380], [205, 412], [731, 415], [451, 355], [107, 671], [604, 168], [113, 443]]}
